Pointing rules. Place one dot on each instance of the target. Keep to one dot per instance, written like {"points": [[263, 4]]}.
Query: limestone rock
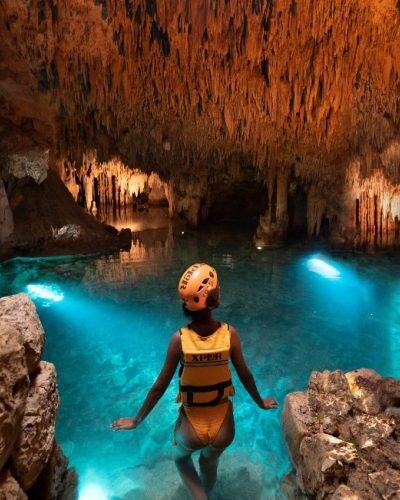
{"points": [[13, 388], [20, 311], [35, 442], [386, 483], [325, 463], [369, 430], [385, 453], [32, 163], [362, 459], [6, 216], [297, 422], [365, 387], [68, 232], [345, 493], [358, 481], [55, 481], [9, 488], [390, 393], [329, 398]]}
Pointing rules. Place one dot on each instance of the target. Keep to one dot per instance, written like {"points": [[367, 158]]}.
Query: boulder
{"points": [[20, 311], [366, 388], [297, 422], [325, 463], [9, 488], [330, 399], [34, 445], [13, 388]]}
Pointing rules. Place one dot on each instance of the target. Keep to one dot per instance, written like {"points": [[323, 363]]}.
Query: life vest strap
{"points": [[192, 389]]}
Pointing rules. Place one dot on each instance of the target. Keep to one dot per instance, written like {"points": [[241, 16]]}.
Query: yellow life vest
{"points": [[204, 377]]}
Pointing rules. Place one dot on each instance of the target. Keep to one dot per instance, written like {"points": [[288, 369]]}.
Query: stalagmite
{"points": [[6, 216]]}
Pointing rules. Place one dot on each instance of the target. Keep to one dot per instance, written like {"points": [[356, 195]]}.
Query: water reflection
{"points": [[138, 220], [150, 251]]}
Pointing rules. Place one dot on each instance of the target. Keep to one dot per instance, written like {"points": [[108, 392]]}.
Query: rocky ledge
{"points": [[31, 463], [343, 434]]}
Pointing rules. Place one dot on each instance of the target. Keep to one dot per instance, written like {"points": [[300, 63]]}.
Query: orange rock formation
{"points": [[290, 93]]}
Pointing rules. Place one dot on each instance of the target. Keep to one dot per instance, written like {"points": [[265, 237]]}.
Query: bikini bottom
{"points": [[207, 420]]}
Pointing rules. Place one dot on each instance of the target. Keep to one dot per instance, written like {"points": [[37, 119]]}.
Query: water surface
{"points": [[108, 320]]}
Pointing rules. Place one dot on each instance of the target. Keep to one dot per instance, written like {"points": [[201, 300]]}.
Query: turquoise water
{"points": [[108, 320]]}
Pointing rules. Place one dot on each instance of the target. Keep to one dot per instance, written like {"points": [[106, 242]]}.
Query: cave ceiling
{"points": [[195, 87]]}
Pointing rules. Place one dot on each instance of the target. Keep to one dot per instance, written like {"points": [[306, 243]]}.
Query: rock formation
{"points": [[298, 97], [30, 460], [343, 435]]}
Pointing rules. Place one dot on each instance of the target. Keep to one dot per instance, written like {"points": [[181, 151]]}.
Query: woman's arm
{"points": [[157, 389], [245, 375]]}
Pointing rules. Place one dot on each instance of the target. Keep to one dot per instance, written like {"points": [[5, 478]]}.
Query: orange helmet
{"points": [[195, 285]]}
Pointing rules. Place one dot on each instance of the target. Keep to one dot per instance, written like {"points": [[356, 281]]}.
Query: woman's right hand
{"points": [[124, 424], [269, 404]]}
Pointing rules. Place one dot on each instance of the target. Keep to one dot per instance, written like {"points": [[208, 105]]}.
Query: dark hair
{"points": [[203, 315]]}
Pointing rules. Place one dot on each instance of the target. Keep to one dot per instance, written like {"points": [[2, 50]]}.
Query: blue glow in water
{"points": [[93, 491], [46, 292], [109, 335], [322, 268]]}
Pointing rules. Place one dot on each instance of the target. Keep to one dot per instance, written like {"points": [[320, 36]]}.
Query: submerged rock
{"points": [[35, 442], [20, 311], [343, 435]]}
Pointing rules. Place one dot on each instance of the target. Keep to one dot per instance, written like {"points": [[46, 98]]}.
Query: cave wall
{"points": [[292, 92]]}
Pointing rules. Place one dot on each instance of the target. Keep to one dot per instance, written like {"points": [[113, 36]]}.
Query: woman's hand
{"points": [[124, 424], [269, 404]]}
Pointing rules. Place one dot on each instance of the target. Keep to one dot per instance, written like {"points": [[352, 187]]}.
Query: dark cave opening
{"points": [[239, 203]]}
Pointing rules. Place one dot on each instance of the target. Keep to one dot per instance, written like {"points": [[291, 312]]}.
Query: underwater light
{"points": [[93, 492], [47, 292], [259, 248], [322, 268]]}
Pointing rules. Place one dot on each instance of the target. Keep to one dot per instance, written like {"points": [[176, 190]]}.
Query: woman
{"points": [[203, 348]]}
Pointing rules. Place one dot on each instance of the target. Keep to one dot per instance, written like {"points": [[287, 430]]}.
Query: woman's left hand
{"points": [[269, 404], [124, 424]]}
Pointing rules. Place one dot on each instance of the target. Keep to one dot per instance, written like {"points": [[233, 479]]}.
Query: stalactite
{"points": [[101, 187], [203, 90], [373, 199]]}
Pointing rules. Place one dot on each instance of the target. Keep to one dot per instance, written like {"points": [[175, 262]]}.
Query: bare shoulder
{"points": [[233, 330], [234, 334], [175, 342]]}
